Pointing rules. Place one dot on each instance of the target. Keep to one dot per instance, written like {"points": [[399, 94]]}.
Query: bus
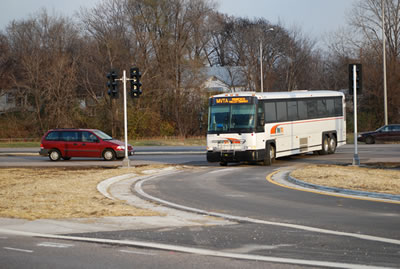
{"points": [[259, 127]]}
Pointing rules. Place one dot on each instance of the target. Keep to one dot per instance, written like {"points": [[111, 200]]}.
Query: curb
{"points": [[343, 191], [103, 187]]}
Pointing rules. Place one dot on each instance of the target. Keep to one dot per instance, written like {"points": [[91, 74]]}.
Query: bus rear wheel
{"points": [[332, 144]]}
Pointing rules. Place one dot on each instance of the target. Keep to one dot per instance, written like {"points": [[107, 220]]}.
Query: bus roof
{"points": [[283, 95]]}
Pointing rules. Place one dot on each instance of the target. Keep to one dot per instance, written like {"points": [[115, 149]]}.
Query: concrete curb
{"points": [[375, 195], [103, 187]]}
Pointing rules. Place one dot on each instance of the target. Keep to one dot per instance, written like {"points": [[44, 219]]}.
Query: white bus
{"points": [[259, 127]]}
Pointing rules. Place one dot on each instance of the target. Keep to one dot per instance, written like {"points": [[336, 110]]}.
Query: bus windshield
{"points": [[232, 118]]}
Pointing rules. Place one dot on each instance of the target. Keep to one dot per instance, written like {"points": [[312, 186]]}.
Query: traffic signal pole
{"points": [[135, 93], [125, 162]]}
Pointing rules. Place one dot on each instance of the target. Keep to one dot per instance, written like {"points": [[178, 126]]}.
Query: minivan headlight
{"points": [[120, 148]]}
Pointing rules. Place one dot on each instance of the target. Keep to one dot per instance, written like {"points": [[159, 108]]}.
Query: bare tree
{"points": [[44, 48], [366, 21]]}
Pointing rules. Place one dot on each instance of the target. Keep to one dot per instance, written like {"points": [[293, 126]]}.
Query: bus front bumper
{"points": [[236, 156]]}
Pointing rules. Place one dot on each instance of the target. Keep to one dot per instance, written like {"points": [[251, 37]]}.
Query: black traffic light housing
{"points": [[112, 84], [135, 82], [358, 78]]}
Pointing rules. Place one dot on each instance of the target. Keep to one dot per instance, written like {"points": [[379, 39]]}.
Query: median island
{"points": [[63, 193], [382, 180]]}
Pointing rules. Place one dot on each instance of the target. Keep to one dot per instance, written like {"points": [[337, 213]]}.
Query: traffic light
{"points": [[358, 78], [112, 84], [135, 82]]}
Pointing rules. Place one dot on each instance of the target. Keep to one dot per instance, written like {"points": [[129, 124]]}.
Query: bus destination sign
{"points": [[233, 100]]}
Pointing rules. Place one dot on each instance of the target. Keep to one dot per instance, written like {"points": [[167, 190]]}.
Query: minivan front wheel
{"points": [[54, 155], [109, 155]]}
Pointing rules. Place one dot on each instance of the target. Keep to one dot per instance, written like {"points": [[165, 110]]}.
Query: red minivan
{"points": [[67, 143]]}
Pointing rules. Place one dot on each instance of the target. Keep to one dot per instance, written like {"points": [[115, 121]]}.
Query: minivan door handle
{"points": [[75, 144], [84, 144]]}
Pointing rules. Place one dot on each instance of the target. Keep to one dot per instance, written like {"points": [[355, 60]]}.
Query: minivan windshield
{"points": [[102, 135]]}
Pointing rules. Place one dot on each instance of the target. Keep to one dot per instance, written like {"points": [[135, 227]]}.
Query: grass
{"points": [[351, 177], [58, 193]]}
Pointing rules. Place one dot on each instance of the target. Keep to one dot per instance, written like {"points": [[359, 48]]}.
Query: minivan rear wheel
{"points": [[54, 155], [109, 155]]}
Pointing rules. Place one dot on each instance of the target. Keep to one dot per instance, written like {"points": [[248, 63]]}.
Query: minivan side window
{"points": [[53, 136], [89, 137], [70, 136]]}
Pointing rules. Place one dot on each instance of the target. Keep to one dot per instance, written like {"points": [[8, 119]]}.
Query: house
{"points": [[10, 101], [221, 79]]}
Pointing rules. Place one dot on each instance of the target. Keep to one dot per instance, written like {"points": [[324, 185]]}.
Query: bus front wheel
{"points": [[269, 154]]}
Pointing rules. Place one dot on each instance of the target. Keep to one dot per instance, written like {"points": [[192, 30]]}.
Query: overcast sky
{"points": [[314, 17]]}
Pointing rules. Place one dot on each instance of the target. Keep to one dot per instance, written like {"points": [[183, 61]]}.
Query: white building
{"points": [[223, 79]]}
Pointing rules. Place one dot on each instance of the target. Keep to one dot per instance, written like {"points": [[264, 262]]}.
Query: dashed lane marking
{"points": [[19, 249], [54, 245], [137, 252]]}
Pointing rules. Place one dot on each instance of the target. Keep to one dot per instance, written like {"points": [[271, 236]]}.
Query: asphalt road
{"points": [[30, 252], [355, 226]]}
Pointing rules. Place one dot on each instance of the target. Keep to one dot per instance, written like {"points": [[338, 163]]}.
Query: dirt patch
{"points": [[351, 177], [59, 193]]}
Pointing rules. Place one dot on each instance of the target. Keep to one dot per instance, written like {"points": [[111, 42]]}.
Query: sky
{"points": [[314, 17]]}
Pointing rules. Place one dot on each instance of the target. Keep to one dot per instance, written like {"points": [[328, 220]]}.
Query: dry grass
{"points": [[58, 193], [351, 177]]}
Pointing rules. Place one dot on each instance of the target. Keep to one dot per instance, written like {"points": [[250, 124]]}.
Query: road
{"points": [[326, 228]]}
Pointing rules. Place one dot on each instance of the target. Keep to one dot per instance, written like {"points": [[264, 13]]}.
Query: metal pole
{"points": [[126, 159], [356, 159], [384, 64], [261, 67]]}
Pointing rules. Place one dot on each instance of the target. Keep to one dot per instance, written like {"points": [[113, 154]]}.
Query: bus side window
{"points": [[338, 107], [292, 110], [312, 109], [330, 106], [281, 111], [321, 107], [270, 112], [302, 108]]}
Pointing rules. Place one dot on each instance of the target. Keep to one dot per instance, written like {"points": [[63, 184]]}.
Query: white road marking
{"points": [[19, 249], [137, 252], [235, 195], [222, 170], [138, 189], [54, 245], [198, 251]]}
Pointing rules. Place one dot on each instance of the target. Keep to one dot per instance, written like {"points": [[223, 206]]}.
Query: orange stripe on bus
{"points": [[273, 129]]}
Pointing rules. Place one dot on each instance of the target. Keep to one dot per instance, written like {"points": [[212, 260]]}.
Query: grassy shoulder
{"points": [[351, 177], [164, 141], [57, 193]]}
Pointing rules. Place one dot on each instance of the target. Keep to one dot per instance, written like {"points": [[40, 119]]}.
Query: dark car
{"points": [[68, 143], [388, 133]]}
